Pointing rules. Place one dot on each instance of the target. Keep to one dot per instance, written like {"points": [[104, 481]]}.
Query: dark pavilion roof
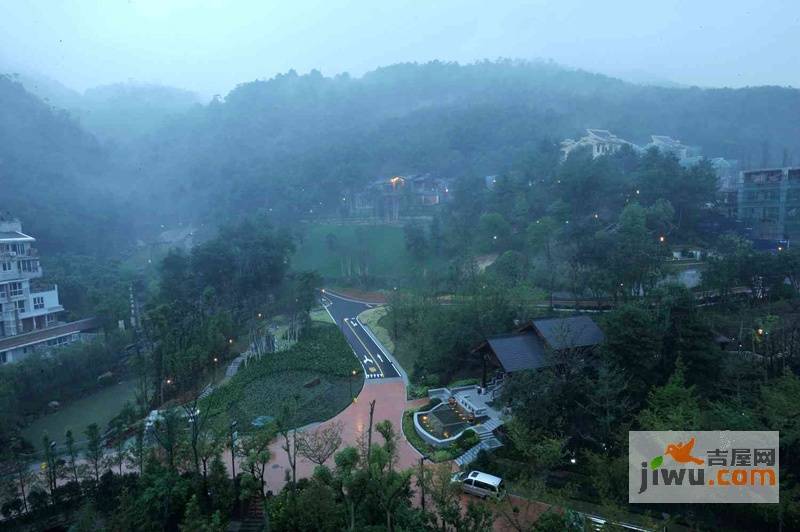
{"points": [[566, 333], [527, 349], [516, 352]]}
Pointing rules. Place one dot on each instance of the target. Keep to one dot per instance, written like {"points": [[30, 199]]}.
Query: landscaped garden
{"points": [[316, 375], [436, 454]]}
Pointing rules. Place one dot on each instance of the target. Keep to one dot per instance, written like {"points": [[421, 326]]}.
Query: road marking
{"points": [[329, 312], [363, 344]]}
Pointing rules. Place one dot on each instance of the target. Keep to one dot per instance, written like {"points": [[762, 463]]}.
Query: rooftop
{"points": [[603, 134], [15, 236], [565, 333], [43, 335], [527, 349], [517, 352]]}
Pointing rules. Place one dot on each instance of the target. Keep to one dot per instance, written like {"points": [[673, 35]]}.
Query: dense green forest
{"points": [[294, 143]]}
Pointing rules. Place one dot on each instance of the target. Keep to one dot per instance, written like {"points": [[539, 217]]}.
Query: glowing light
{"points": [[230, 340], [216, 359], [573, 461], [661, 239], [760, 331]]}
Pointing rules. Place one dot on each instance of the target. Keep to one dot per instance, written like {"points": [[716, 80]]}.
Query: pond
{"points": [[99, 407]]}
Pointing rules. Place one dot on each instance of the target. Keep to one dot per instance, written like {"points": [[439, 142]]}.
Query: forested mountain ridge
{"points": [[52, 173], [294, 143], [305, 138]]}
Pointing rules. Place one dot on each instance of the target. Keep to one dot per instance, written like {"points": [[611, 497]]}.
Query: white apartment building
{"points": [[600, 141], [28, 314]]}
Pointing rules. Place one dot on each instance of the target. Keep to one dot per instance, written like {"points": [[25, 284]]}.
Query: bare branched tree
{"points": [[320, 444]]}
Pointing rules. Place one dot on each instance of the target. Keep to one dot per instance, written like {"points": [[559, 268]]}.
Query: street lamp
{"points": [[233, 446], [422, 480], [350, 384]]}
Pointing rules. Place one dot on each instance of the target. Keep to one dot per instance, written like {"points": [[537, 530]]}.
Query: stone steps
{"points": [[485, 445]]}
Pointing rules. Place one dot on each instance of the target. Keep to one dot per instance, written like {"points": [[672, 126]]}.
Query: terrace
{"points": [[461, 409]]}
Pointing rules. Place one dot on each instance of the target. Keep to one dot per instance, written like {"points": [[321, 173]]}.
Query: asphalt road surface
{"points": [[344, 310]]}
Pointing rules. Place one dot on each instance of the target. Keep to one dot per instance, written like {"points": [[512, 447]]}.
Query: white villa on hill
{"points": [[28, 311]]}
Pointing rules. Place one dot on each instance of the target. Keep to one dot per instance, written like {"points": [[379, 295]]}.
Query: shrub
{"points": [[467, 440], [442, 455], [463, 382]]}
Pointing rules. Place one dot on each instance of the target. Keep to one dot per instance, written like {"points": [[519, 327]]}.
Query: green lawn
{"points": [[99, 407], [381, 247], [261, 388], [374, 319], [320, 315]]}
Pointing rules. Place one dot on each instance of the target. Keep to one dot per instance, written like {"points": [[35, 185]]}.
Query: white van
{"points": [[481, 484]]}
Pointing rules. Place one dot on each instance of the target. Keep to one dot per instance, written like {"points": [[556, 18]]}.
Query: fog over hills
{"points": [[295, 142]]}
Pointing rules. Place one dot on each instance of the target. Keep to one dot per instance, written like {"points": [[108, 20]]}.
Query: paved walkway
{"points": [[390, 403]]}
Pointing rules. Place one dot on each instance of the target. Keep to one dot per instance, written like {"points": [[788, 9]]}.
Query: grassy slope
{"points": [[264, 385], [373, 318], [386, 244]]}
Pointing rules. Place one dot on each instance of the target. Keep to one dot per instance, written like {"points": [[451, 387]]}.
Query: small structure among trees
{"points": [[539, 343]]}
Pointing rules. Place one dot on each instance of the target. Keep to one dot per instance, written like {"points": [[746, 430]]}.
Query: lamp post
{"points": [[350, 384], [233, 455], [422, 480]]}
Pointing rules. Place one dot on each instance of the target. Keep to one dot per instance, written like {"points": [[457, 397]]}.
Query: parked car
{"points": [[481, 484]]}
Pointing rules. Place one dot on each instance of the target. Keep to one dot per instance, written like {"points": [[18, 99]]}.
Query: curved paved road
{"points": [[344, 310], [388, 393]]}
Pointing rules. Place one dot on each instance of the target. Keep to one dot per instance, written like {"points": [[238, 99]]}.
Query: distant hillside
{"points": [[120, 112], [125, 111], [292, 143], [52, 174]]}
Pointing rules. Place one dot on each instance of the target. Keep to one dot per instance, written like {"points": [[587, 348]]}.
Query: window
{"points": [[3, 357], [5, 266], [38, 302], [29, 265], [20, 305], [484, 485], [15, 289]]}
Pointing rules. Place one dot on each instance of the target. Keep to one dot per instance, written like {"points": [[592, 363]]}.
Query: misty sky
{"points": [[209, 46]]}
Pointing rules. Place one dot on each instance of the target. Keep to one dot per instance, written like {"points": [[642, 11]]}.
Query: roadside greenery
{"points": [[316, 373]]}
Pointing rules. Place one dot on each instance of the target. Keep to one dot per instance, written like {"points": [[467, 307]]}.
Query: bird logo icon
{"points": [[680, 452]]}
